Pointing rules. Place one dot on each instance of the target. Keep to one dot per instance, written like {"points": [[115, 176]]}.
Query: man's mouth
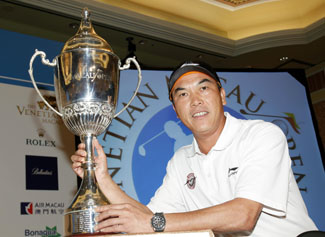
{"points": [[199, 114]]}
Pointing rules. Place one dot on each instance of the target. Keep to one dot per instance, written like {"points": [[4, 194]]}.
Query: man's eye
{"points": [[181, 94], [204, 87]]}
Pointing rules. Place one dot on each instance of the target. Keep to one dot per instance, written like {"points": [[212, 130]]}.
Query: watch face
{"points": [[158, 222]]}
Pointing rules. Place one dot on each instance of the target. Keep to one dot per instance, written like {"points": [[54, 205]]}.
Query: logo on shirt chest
{"points": [[232, 171], [191, 180]]}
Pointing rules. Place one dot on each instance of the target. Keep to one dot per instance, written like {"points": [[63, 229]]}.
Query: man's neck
{"points": [[207, 141], [205, 145]]}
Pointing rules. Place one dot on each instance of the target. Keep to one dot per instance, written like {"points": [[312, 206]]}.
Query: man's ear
{"points": [[223, 96]]}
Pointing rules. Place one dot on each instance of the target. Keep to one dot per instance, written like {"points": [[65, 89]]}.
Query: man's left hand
{"points": [[117, 218]]}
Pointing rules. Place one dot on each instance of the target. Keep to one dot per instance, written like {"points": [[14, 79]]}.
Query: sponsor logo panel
{"points": [[41, 173], [42, 208], [47, 232]]}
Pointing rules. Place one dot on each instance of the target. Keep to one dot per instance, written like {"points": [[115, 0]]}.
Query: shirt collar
{"points": [[227, 135]]}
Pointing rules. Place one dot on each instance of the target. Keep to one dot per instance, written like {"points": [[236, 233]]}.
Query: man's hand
{"points": [[78, 158], [123, 218]]}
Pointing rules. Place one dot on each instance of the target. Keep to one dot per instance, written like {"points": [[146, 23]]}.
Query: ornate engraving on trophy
{"points": [[90, 75], [82, 117]]}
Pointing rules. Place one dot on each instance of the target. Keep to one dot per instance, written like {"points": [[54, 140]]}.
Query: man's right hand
{"points": [[79, 157]]}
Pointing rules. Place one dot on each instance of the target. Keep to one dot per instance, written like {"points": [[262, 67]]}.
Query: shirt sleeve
{"points": [[265, 168], [168, 196]]}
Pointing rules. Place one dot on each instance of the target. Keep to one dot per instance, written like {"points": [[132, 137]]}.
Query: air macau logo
{"points": [[140, 142], [26, 208], [42, 208]]}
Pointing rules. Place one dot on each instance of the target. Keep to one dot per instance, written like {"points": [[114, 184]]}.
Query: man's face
{"points": [[198, 103]]}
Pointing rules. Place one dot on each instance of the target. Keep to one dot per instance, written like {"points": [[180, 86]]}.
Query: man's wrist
{"points": [[158, 222]]}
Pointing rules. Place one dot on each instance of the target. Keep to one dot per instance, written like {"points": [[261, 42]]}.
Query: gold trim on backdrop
{"points": [[235, 3]]}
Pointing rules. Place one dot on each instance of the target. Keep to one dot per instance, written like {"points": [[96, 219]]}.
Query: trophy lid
{"points": [[86, 36]]}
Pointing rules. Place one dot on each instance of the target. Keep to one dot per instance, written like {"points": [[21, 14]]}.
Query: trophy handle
{"points": [[127, 66], [30, 71]]}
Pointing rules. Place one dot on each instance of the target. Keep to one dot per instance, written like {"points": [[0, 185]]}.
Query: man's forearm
{"points": [[116, 195], [238, 215]]}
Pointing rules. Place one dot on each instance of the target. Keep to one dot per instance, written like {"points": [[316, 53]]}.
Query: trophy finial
{"points": [[85, 13], [86, 36], [86, 25]]}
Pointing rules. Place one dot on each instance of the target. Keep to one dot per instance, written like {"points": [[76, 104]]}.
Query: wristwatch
{"points": [[158, 222]]}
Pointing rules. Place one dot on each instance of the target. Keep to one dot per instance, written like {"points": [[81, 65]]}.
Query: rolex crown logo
{"points": [[41, 132]]}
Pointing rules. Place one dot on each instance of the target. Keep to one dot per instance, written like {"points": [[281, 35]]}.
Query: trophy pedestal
{"points": [[79, 218]]}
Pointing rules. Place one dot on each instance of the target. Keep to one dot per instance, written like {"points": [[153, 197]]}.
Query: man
{"points": [[234, 178]]}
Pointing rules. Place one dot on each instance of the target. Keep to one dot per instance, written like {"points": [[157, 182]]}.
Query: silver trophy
{"points": [[86, 83]]}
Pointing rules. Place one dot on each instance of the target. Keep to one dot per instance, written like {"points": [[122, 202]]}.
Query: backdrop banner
{"points": [[140, 141], [38, 182]]}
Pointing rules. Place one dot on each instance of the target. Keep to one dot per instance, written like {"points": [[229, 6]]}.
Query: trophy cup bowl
{"points": [[86, 87], [86, 81]]}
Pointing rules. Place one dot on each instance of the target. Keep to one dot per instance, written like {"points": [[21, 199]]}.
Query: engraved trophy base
{"points": [[80, 223]]}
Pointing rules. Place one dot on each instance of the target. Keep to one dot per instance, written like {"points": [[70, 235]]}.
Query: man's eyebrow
{"points": [[204, 80], [178, 89], [200, 82]]}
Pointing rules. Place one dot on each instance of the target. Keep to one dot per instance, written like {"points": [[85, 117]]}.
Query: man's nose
{"points": [[196, 99]]}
